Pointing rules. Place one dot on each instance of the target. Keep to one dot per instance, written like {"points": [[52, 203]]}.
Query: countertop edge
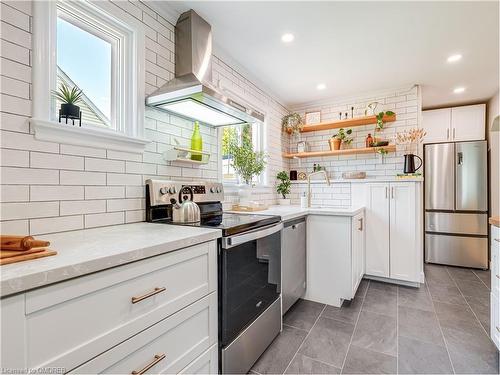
{"points": [[66, 272]]}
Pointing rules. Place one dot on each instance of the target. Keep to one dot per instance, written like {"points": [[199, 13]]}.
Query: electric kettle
{"points": [[185, 211]]}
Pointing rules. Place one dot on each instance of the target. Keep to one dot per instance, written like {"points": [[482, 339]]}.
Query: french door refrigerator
{"points": [[456, 204]]}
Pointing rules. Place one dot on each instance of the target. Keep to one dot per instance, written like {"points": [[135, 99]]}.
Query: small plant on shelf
{"points": [[283, 187], [69, 97], [340, 138], [292, 123], [380, 119]]}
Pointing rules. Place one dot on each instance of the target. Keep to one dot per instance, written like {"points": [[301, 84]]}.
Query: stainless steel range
{"points": [[249, 267]]}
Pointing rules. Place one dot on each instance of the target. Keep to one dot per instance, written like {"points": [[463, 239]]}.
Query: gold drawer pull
{"points": [[147, 295], [158, 358]]}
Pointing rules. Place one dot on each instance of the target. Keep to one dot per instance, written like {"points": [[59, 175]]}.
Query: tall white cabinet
{"points": [[393, 231], [466, 123]]}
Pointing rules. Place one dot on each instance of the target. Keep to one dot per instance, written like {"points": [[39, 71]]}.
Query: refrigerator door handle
{"points": [[460, 158], [448, 133], [386, 192]]}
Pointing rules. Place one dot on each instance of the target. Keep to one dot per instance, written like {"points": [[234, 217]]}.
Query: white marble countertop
{"points": [[293, 212], [90, 250], [320, 180]]}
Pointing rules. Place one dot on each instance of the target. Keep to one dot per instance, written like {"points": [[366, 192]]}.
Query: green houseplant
{"points": [[340, 138], [283, 187], [380, 119], [69, 96], [292, 123]]}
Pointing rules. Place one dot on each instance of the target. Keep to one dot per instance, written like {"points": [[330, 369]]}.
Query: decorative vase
{"points": [[284, 202], [334, 144], [245, 195], [196, 142]]}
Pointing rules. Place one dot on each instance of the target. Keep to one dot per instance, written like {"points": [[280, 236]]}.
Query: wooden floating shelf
{"points": [[348, 123], [349, 151]]}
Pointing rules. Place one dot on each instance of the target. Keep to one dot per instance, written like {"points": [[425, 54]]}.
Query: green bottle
{"points": [[196, 142]]}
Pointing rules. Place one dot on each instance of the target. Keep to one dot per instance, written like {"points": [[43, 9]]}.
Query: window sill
{"points": [[86, 136]]}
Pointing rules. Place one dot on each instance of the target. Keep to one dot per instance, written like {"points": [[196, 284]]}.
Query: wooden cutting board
{"points": [[22, 258], [16, 253]]}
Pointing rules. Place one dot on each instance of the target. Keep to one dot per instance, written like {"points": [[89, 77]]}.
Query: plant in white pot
{"points": [[283, 187]]}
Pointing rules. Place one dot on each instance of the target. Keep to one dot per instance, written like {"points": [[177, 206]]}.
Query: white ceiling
{"points": [[357, 47]]}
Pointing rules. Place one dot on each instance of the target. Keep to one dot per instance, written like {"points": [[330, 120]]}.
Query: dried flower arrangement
{"points": [[410, 137]]}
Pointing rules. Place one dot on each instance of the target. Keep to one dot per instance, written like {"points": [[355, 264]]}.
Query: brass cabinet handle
{"points": [[147, 295], [158, 358], [360, 228]]}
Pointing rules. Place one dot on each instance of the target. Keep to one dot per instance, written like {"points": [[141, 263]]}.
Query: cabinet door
{"points": [[436, 123], [357, 249], [377, 230], [495, 319], [403, 250], [468, 123]]}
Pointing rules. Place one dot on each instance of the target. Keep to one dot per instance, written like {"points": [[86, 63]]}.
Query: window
{"points": [[250, 135], [98, 48]]}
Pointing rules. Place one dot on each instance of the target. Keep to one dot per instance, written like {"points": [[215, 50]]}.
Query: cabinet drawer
{"points": [[495, 270], [495, 320], [86, 316], [166, 347], [207, 363]]}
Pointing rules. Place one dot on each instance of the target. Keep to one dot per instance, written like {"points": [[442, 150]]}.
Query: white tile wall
{"points": [[80, 187]]}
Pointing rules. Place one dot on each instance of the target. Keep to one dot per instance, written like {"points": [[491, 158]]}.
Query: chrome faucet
{"points": [[309, 184]]}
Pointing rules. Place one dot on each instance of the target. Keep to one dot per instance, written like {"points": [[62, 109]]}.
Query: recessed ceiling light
{"points": [[321, 86], [454, 58], [459, 90], [287, 38]]}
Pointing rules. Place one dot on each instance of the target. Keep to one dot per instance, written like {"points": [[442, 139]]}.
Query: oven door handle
{"points": [[229, 242]]}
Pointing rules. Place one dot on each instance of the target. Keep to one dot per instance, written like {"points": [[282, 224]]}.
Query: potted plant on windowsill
{"points": [[340, 138], [69, 98], [283, 188]]}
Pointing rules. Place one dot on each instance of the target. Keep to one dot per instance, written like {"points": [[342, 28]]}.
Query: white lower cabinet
{"points": [[393, 238], [118, 320], [335, 261], [207, 363], [495, 286]]}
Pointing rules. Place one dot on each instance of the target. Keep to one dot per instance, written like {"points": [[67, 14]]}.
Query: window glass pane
{"points": [[84, 60]]}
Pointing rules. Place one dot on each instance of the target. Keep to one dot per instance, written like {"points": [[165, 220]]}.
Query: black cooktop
{"points": [[231, 224]]}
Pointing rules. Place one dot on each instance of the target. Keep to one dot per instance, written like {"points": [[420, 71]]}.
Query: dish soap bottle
{"points": [[196, 142]]}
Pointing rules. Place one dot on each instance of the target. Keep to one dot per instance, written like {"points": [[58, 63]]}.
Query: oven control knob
{"points": [[164, 190], [213, 190], [219, 190], [172, 190]]}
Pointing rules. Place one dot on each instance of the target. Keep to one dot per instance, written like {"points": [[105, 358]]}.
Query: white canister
{"points": [[303, 201]]}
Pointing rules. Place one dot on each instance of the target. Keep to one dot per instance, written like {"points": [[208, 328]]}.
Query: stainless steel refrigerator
{"points": [[456, 204]]}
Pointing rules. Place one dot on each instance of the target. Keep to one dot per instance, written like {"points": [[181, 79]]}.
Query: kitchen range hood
{"points": [[191, 93]]}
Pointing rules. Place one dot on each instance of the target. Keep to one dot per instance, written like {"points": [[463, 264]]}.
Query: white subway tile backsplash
{"points": [[135, 216], [15, 123], [26, 210], [83, 178], [15, 34], [104, 192], [16, 227], [134, 192], [103, 165], [82, 207], [14, 87], [82, 151], [14, 158], [121, 155], [140, 168], [124, 179], [100, 220], [56, 224], [28, 176], [124, 204], [55, 161], [22, 141], [55, 193], [14, 193]]}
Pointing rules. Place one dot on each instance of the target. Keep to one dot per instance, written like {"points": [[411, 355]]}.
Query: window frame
{"points": [[100, 18]]}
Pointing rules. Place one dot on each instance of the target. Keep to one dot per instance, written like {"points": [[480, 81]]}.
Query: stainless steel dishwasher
{"points": [[293, 262]]}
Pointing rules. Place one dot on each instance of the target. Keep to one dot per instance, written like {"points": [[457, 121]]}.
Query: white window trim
{"points": [[129, 132]]}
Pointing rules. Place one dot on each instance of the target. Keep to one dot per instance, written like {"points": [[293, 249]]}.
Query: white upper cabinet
{"points": [[436, 123], [455, 124], [468, 123]]}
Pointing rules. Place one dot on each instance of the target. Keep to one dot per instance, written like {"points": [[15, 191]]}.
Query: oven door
{"points": [[249, 278]]}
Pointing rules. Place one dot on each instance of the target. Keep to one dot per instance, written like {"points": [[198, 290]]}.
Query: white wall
{"points": [[49, 187], [494, 148]]}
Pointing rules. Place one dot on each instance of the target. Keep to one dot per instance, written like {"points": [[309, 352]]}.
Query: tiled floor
{"points": [[443, 327]]}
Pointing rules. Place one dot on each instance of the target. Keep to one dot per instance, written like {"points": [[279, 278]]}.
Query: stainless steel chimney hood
{"points": [[191, 93]]}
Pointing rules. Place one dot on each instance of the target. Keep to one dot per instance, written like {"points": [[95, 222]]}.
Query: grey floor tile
{"points": [[328, 341], [458, 273], [279, 354], [347, 313], [485, 277], [382, 287], [418, 298], [303, 314], [376, 332], [480, 305], [364, 361], [456, 317], [381, 302], [471, 353], [305, 365], [435, 274], [420, 325], [362, 288], [417, 357], [473, 288], [447, 294]]}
